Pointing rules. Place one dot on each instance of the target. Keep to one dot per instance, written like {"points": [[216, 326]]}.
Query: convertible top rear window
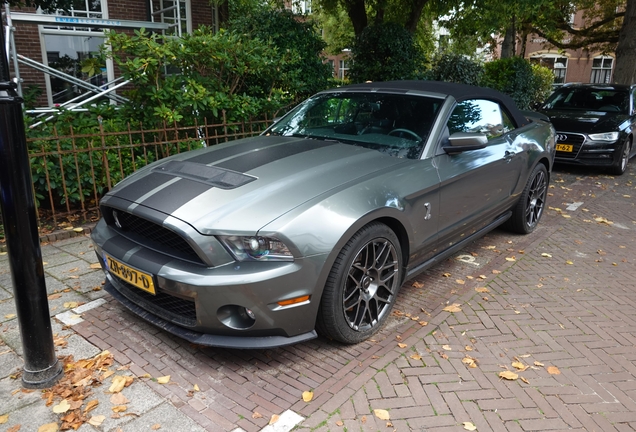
{"points": [[394, 124]]}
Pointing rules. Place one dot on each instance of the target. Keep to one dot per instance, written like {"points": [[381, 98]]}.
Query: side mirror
{"points": [[465, 141]]}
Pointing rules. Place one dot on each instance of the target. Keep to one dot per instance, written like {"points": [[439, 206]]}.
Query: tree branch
{"points": [[600, 37]]}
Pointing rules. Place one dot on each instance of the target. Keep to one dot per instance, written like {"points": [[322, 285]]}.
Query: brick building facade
{"points": [[64, 47]]}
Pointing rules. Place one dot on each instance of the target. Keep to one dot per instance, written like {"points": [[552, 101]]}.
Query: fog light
{"points": [[250, 313]]}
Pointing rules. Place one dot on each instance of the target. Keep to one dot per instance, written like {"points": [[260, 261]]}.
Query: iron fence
{"points": [[72, 172]]}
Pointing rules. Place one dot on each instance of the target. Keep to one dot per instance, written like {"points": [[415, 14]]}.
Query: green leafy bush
{"points": [[385, 52], [456, 68], [302, 71], [515, 76]]}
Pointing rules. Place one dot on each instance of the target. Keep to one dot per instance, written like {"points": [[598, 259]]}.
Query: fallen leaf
{"points": [[62, 407], [119, 408], [196, 388], [164, 379], [483, 277], [257, 415], [339, 423], [9, 316], [156, 426], [468, 348], [119, 382], [446, 274], [469, 426], [402, 345], [96, 420], [70, 305], [91, 405], [553, 370], [49, 427], [54, 296], [363, 419], [546, 255], [14, 428], [78, 229], [537, 363], [308, 396], [95, 266], [482, 290], [603, 220], [418, 285], [389, 424], [455, 307], [119, 399], [4, 418], [382, 414], [496, 272], [517, 312], [525, 380], [423, 323], [460, 281], [274, 419], [508, 375], [519, 366], [447, 347], [416, 357], [569, 262], [470, 362], [511, 259]]}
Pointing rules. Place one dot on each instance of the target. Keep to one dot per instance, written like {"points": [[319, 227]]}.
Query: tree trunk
{"points": [[224, 13], [414, 15], [356, 9], [625, 71], [508, 48]]}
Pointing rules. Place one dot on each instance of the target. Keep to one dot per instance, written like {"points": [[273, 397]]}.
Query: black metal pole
{"points": [[41, 367]]}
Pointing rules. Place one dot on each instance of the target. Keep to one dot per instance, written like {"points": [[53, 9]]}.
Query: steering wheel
{"points": [[406, 131]]}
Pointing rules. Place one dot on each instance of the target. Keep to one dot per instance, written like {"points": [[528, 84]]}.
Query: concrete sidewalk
{"points": [[558, 303]]}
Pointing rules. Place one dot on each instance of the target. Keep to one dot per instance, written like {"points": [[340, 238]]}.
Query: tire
{"points": [[362, 286], [528, 210], [620, 166]]}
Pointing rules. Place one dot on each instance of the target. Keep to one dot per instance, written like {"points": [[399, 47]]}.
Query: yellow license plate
{"points": [[133, 276], [565, 147]]}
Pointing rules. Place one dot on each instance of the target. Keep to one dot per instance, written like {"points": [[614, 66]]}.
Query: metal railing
{"points": [[72, 172]]}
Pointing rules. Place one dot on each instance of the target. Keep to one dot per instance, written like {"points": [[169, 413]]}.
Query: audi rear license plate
{"points": [[565, 147], [128, 274]]}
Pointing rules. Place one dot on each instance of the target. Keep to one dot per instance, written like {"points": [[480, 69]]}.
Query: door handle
{"points": [[509, 155], [427, 206]]}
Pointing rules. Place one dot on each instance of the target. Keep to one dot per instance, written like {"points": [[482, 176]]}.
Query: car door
{"points": [[476, 185]]}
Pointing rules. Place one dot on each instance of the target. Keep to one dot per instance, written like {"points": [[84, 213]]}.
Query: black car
{"points": [[595, 124]]}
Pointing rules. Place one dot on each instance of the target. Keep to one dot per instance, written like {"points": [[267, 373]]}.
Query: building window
{"points": [[602, 70], [301, 7], [69, 48], [176, 13], [343, 69], [332, 65], [558, 65]]}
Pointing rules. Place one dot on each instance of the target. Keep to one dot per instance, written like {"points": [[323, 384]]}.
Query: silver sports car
{"points": [[316, 223]]}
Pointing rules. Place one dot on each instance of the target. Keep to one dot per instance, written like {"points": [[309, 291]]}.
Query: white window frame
{"points": [[343, 66], [604, 73], [74, 31], [560, 72]]}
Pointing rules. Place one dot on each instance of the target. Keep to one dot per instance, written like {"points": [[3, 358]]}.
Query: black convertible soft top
{"points": [[460, 92]]}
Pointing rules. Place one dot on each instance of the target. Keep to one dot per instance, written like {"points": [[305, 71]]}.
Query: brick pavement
{"points": [[562, 297]]}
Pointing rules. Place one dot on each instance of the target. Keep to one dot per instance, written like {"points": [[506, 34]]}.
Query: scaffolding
{"points": [[92, 91]]}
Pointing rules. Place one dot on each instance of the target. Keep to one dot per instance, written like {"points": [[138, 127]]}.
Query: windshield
{"points": [[394, 124], [589, 99]]}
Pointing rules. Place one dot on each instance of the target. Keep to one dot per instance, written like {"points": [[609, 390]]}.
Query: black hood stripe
{"points": [[255, 159], [142, 186], [176, 195], [215, 155]]}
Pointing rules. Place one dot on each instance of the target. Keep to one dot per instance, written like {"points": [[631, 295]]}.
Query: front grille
{"points": [[574, 139], [175, 309], [151, 235]]}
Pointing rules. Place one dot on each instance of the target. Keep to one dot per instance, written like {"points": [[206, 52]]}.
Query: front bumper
{"points": [[206, 305], [592, 153]]}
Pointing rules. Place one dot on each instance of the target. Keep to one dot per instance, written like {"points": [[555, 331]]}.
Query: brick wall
{"points": [[28, 40]]}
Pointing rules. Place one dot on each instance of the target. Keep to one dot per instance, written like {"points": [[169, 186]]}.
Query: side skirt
{"points": [[453, 249]]}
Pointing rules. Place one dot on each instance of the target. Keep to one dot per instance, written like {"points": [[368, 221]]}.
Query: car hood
{"points": [[585, 121], [243, 185]]}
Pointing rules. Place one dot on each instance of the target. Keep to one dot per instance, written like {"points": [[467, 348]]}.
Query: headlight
{"points": [[606, 136], [255, 248]]}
